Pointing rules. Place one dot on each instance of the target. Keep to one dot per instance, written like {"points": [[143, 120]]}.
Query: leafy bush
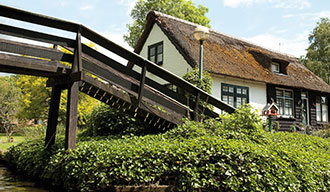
{"points": [[105, 121], [204, 84], [209, 156], [324, 133], [34, 131], [30, 157]]}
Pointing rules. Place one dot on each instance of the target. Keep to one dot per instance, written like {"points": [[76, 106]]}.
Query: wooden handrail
{"points": [[43, 20], [39, 19]]}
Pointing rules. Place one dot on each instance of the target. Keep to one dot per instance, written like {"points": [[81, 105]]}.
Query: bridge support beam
{"points": [[53, 116], [71, 116]]}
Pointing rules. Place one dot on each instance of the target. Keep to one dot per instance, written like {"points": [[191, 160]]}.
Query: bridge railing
{"points": [[83, 54]]}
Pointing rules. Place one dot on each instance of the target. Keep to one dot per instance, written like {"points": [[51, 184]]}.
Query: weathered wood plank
{"points": [[77, 64], [30, 17], [34, 50], [36, 36], [52, 116], [111, 46], [142, 81], [71, 116], [31, 66], [102, 60], [148, 105], [131, 87]]}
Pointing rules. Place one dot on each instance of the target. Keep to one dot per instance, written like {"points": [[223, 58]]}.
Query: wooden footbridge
{"points": [[94, 74]]}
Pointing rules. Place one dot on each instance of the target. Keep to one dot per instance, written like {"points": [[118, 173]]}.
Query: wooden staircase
{"points": [[95, 74]]}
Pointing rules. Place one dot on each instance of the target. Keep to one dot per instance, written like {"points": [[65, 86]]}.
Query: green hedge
{"points": [[106, 121], [235, 155]]}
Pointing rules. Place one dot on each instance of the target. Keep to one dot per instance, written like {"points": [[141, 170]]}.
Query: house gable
{"points": [[172, 59]]}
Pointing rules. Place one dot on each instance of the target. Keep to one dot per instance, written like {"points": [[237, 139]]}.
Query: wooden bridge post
{"points": [[196, 107], [73, 91], [53, 116], [71, 116], [142, 81]]}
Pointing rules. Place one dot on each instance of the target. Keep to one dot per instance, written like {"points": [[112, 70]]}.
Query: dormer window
{"points": [[275, 67], [155, 53], [279, 66]]}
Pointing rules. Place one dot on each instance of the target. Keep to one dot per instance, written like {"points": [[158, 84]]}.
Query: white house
{"points": [[242, 72]]}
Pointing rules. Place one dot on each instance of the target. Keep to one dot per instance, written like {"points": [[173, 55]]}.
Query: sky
{"points": [[280, 25]]}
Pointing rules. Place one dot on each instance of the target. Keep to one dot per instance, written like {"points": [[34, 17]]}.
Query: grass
{"points": [[4, 144]]}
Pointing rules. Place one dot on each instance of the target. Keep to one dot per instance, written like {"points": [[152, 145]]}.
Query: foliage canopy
{"points": [[317, 58], [183, 9], [9, 96]]}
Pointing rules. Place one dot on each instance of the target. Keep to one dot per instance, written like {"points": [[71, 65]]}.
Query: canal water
{"points": [[10, 183]]}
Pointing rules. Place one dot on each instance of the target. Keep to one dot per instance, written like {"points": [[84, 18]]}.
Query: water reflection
{"points": [[9, 183]]}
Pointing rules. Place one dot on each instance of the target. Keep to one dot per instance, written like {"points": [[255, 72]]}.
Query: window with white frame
{"points": [[284, 101], [155, 53], [234, 95], [322, 109]]}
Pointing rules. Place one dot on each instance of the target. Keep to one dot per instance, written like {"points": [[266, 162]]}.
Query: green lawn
{"points": [[4, 145]]}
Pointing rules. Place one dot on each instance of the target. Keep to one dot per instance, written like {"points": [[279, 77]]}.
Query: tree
{"points": [[317, 58], [184, 9], [9, 95], [35, 100]]}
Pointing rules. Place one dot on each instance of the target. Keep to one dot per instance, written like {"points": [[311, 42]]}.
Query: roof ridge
{"points": [[157, 13]]}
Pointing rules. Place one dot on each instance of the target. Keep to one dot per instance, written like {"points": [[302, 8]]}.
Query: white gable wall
{"points": [[173, 61]]}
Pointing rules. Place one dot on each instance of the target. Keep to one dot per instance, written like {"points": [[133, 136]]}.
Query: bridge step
{"points": [[156, 116]]}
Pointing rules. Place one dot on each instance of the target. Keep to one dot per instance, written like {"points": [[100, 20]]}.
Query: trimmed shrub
{"points": [[235, 155], [105, 121]]}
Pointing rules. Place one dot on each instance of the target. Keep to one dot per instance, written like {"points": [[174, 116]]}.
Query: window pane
{"points": [[323, 99], [244, 100], [275, 67], [239, 91], [244, 91], [231, 89], [152, 51], [318, 112], [160, 48], [324, 113], [288, 94], [225, 88], [288, 103], [288, 107], [160, 58], [280, 105], [279, 102], [231, 100], [152, 59], [238, 101], [281, 110], [279, 93], [225, 98]]}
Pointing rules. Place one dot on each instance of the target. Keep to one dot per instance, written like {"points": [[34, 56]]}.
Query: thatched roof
{"points": [[230, 56]]}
